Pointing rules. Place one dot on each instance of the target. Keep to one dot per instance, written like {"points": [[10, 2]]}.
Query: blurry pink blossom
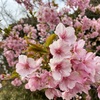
{"points": [[52, 93], [16, 82]]}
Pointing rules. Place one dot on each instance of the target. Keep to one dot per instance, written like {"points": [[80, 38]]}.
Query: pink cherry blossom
{"points": [[60, 68], [79, 88], [32, 83], [78, 49], [16, 82], [85, 66], [69, 82], [26, 29], [66, 34], [26, 66], [52, 83], [44, 80], [68, 95], [52, 93], [60, 49], [97, 63]]}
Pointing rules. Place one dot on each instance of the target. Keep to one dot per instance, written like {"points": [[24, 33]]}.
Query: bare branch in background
{"points": [[10, 16]]}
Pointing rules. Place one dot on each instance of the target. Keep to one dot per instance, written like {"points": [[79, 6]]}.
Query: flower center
{"points": [[63, 36], [58, 67], [27, 66], [58, 51]]}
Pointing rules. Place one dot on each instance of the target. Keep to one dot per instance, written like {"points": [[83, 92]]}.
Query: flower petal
{"points": [[56, 75], [22, 59]]}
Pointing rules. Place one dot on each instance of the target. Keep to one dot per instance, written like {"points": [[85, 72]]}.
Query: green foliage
{"points": [[9, 92], [95, 2], [93, 93], [7, 31], [37, 48], [92, 15], [49, 40]]}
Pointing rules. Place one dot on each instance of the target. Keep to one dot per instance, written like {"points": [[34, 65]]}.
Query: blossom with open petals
{"points": [[51, 93], [60, 49], [60, 68], [26, 66], [66, 34]]}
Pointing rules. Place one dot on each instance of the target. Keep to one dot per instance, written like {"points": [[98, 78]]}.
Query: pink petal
{"points": [[71, 84], [56, 75], [81, 44], [22, 59], [49, 94], [31, 62], [59, 29], [63, 86], [24, 72], [66, 71], [26, 86], [19, 66], [38, 62], [71, 35]]}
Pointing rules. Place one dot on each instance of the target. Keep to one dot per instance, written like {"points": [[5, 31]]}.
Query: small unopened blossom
{"points": [[16, 82], [26, 29]]}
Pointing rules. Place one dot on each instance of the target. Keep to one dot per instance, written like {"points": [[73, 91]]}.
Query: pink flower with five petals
{"points": [[60, 49], [60, 68], [27, 66], [66, 34]]}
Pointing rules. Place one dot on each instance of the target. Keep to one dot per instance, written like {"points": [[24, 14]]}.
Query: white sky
{"points": [[14, 9], [11, 7]]}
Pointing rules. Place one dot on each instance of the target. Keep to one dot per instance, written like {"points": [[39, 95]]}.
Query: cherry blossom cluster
{"points": [[72, 69], [53, 54], [15, 43], [89, 31], [49, 15], [81, 4], [13, 46]]}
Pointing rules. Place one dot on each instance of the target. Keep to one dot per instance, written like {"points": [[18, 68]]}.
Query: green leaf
{"points": [[49, 40], [14, 75], [37, 48]]}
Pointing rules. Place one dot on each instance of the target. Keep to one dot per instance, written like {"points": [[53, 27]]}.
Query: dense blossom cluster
{"points": [[15, 43], [60, 54], [89, 31], [81, 4], [72, 68], [13, 48], [27, 4]]}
